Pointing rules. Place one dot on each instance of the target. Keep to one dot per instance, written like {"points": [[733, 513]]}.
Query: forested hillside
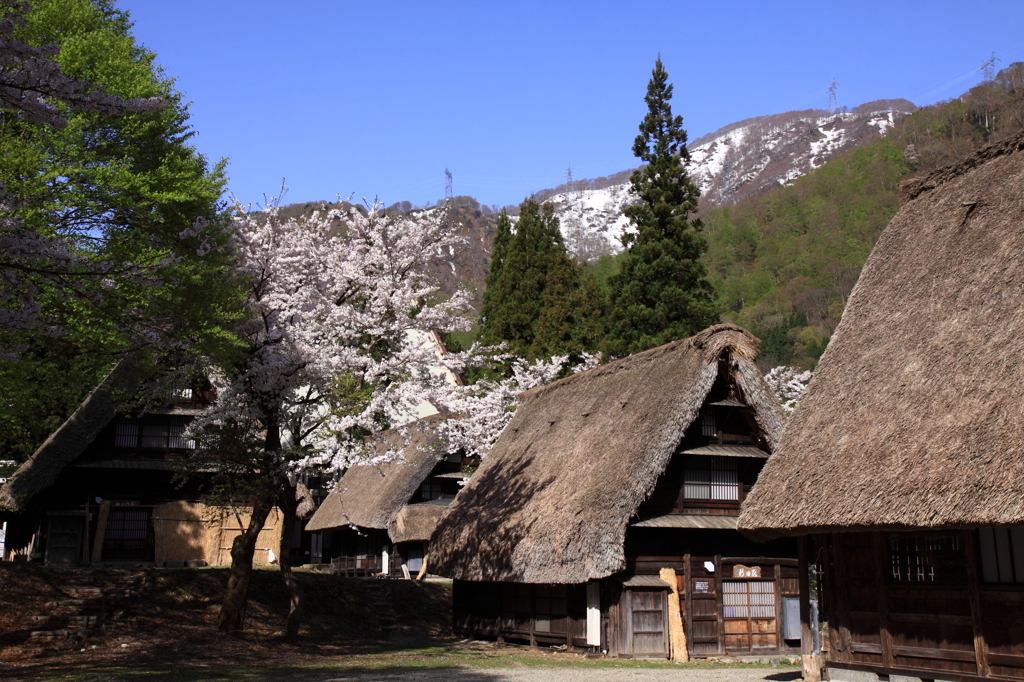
{"points": [[784, 263]]}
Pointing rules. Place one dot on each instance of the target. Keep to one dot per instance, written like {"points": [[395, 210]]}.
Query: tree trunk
{"points": [[232, 609], [289, 505]]}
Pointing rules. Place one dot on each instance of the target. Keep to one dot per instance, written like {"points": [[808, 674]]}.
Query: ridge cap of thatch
{"points": [[743, 343], [71, 438], [915, 187]]}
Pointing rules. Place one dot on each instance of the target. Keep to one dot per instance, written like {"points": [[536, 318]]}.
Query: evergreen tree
{"points": [[501, 239], [661, 291], [540, 302]]}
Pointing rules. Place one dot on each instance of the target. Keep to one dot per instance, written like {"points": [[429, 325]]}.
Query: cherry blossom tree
{"points": [[788, 383], [485, 408], [325, 358]]}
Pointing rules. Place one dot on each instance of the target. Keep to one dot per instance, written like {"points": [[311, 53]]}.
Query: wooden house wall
{"points": [[941, 620], [635, 619], [526, 612]]}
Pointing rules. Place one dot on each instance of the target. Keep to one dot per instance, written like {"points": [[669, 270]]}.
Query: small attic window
{"points": [[153, 431], [430, 490], [707, 423], [711, 478], [126, 433]]}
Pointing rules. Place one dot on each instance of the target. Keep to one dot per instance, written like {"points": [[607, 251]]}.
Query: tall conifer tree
{"points": [[539, 303], [661, 291], [501, 239]]}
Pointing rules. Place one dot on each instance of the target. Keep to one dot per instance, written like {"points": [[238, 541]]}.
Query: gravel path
{"points": [[562, 674]]}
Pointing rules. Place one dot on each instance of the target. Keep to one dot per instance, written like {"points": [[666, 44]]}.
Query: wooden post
{"points": [[101, 531], [811, 662], [828, 596], [719, 588], [86, 554], [678, 650], [423, 569], [980, 647], [842, 605], [687, 599], [779, 642], [881, 561]]}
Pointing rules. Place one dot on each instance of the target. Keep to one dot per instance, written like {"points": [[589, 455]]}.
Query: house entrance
{"points": [[648, 624], [64, 540]]}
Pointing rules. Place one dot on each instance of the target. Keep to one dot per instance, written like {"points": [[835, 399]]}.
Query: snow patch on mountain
{"points": [[746, 159]]}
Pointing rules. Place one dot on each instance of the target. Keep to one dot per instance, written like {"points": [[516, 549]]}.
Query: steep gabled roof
{"points": [[368, 496], [551, 501], [915, 416], [70, 440]]}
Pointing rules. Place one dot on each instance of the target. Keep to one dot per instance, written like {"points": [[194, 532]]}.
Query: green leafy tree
{"points": [[111, 233], [539, 302], [661, 291]]}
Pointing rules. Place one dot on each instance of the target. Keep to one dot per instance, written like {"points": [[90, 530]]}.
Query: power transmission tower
{"points": [[989, 66], [571, 191], [833, 98], [447, 186]]}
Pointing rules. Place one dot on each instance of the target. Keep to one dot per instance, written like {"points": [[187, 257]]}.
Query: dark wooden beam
{"points": [[881, 561], [811, 668], [977, 617], [719, 589], [779, 642], [688, 601], [840, 581]]}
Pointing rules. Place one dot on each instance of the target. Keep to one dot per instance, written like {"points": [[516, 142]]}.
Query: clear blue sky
{"points": [[377, 98]]}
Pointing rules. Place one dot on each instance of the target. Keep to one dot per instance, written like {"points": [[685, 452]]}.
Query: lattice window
{"points": [[927, 558], [707, 423], [1002, 554], [711, 478], [126, 433], [430, 490], [127, 524], [153, 432], [748, 599]]}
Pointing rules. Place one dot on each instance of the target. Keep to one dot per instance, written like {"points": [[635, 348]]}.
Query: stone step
{"points": [[81, 603], [63, 633], [86, 620], [87, 591]]}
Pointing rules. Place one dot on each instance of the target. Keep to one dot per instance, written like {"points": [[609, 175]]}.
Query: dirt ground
{"points": [[166, 632]]}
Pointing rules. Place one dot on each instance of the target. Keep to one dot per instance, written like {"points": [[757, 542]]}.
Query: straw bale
{"points": [[914, 417], [230, 522], [368, 496], [551, 501], [180, 531]]}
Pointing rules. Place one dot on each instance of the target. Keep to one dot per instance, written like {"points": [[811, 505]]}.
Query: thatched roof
{"points": [[71, 439], [915, 416], [551, 501], [416, 522], [368, 496]]}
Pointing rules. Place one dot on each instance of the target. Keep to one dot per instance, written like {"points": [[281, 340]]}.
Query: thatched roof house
{"points": [[915, 416], [70, 440], [103, 469], [552, 501], [370, 496]]}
